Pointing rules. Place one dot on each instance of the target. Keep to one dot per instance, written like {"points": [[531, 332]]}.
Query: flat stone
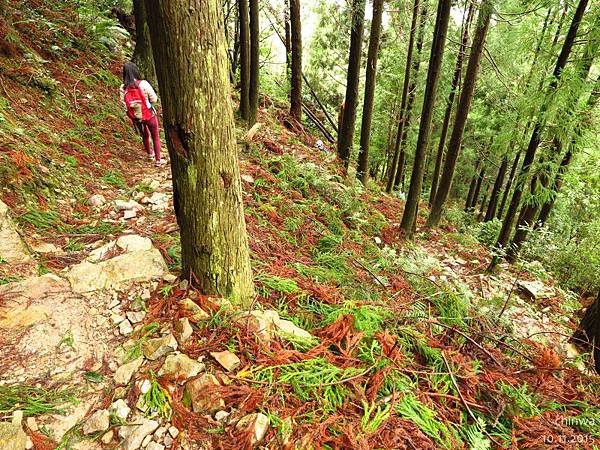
{"points": [[202, 402], [155, 446], [125, 328], [136, 316], [134, 434], [102, 252], [221, 415], [134, 243], [97, 200], [124, 373], [146, 441], [181, 367], [12, 436], [32, 424], [121, 205], [228, 360], [286, 327], [120, 409], [143, 265], [129, 214], [260, 323], [99, 421], [155, 348], [107, 437], [247, 178], [197, 314], [12, 247], [174, 432], [536, 289], [257, 424], [182, 330], [44, 248]]}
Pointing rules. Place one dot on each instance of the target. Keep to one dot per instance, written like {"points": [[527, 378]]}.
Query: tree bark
{"points": [[556, 185], [435, 63], [482, 206], [288, 39], [493, 205], [534, 142], [296, 72], [587, 335], [243, 13], [477, 189], [142, 55], [450, 103], [254, 81], [346, 134], [509, 183], [193, 78], [412, 92], [472, 185], [362, 172], [462, 113], [406, 83]]}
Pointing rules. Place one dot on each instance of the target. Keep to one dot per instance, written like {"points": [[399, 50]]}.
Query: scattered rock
{"points": [[135, 316], [120, 409], [261, 323], [12, 436], [168, 440], [32, 424], [181, 367], [170, 278], [197, 313], [124, 373], [97, 200], [228, 360], [247, 178], [221, 415], [257, 424], [44, 248], [146, 441], [145, 386], [195, 395], [536, 289], [134, 243], [183, 330], [102, 252], [174, 432], [134, 434], [143, 265], [125, 328], [107, 437], [129, 214], [155, 446], [12, 248], [121, 205], [28, 444], [99, 421], [286, 327], [155, 348]]}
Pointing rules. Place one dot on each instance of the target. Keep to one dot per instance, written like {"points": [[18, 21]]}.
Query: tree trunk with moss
{"points": [[207, 194], [587, 335], [142, 55]]}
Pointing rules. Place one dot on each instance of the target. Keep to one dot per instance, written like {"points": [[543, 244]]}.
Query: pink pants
{"points": [[150, 128]]}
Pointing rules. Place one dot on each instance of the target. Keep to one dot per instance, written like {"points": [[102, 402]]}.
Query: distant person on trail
{"points": [[138, 97]]}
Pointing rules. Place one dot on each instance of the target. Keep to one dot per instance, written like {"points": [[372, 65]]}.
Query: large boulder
{"points": [[141, 265], [12, 248]]}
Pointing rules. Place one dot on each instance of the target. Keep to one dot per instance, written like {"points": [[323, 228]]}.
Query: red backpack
{"points": [[137, 104]]}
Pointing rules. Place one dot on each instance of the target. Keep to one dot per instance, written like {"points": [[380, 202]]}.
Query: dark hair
{"points": [[130, 74]]}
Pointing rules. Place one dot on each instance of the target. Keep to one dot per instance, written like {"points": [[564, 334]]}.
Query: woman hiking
{"points": [[138, 97]]}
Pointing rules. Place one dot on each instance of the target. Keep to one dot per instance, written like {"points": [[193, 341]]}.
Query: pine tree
{"points": [[411, 207], [362, 172], [207, 192], [493, 205], [296, 61]]}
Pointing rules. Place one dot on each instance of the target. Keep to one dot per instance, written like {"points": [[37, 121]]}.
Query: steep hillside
{"points": [[356, 338]]}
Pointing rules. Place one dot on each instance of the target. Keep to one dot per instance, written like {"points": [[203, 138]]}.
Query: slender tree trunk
{"points": [[207, 191], [296, 70], [450, 103], [244, 59], [472, 185], [477, 189], [346, 134], [412, 92], [534, 142], [588, 333], [407, 70], [362, 172], [509, 183], [254, 81], [142, 55], [556, 185], [493, 205], [288, 39], [462, 113], [482, 206], [435, 63]]}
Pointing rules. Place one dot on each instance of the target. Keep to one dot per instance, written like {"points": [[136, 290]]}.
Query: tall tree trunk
{"points": [[412, 92], [472, 185], [556, 185], [407, 70], [207, 191], [482, 206], [142, 55], [493, 205], [534, 142], [362, 172], [296, 75], [346, 134], [254, 81], [509, 182], [477, 189], [462, 112], [244, 59], [288, 40], [588, 333], [450, 103], [435, 63]]}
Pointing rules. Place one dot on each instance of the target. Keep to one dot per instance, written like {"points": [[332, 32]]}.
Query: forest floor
{"points": [[356, 339]]}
